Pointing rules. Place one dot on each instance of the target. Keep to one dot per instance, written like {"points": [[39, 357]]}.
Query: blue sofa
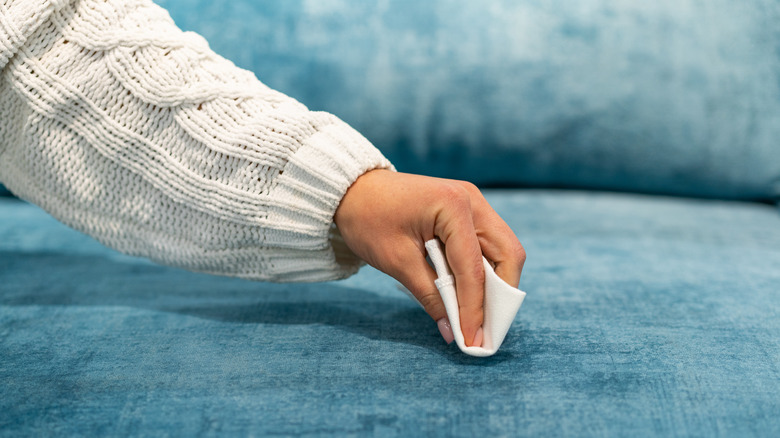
{"points": [[634, 150]]}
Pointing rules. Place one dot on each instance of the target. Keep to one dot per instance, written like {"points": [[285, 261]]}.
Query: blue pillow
{"points": [[664, 97]]}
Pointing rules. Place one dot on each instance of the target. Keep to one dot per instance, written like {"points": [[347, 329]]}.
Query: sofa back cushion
{"points": [[676, 97]]}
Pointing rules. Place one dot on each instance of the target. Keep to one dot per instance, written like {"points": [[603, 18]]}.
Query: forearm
{"points": [[134, 132]]}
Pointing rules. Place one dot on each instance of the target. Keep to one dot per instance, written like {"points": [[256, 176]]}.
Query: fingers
{"points": [[502, 248], [472, 228], [417, 276], [455, 227], [469, 228], [496, 239], [385, 218]]}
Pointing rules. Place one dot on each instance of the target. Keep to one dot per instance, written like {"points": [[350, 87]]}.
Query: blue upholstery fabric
{"points": [[678, 97], [645, 316]]}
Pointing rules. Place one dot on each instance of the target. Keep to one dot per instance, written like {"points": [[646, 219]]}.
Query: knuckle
{"points": [[518, 253], [428, 300], [432, 304], [470, 188], [478, 274], [454, 195], [472, 265]]}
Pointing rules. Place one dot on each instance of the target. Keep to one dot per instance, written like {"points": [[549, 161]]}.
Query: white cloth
{"points": [[501, 303], [126, 128]]}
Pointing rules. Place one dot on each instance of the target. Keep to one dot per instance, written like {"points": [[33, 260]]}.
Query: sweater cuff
{"points": [[315, 179]]}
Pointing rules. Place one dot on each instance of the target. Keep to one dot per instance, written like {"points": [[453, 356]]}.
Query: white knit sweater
{"points": [[128, 129]]}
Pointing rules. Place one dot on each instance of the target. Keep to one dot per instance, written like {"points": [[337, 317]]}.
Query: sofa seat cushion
{"points": [[644, 315]]}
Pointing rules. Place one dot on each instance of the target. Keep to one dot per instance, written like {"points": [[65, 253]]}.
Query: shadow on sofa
{"points": [[46, 279]]}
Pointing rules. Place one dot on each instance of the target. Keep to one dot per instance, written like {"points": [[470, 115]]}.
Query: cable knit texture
{"points": [[128, 129]]}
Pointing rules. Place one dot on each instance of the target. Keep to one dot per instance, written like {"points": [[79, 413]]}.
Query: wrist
{"points": [[359, 195]]}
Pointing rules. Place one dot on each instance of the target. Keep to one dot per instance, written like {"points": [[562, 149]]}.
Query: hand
{"points": [[386, 218]]}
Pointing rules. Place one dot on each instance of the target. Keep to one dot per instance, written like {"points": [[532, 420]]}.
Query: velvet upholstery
{"points": [[644, 316], [672, 97], [676, 97]]}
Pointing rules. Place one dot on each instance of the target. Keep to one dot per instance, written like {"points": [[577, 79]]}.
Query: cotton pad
{"points": [[501, 303]]}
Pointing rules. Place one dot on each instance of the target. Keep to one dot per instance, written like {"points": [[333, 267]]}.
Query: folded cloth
{"points": [[501, 303]]}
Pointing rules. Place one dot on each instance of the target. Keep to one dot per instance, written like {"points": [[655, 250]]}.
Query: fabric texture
{"points": [[646, 316], [130, 130], [675, 97], [501, 303]]}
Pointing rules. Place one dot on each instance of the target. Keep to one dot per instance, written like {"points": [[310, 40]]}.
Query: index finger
{"points": [[499, 243], [464, 256]]}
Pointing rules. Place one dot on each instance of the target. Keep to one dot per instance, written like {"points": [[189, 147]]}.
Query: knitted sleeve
{"points": [[128, 129]]}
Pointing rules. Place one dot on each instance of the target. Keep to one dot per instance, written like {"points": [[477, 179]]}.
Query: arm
{"points": [[132, 131], [124, 127]]}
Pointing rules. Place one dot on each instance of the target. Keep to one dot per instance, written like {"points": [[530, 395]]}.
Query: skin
{"points": [[386, 217]]}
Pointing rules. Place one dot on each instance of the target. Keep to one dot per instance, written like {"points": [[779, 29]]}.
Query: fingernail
{"points": [[477, 338], [446, 330]]}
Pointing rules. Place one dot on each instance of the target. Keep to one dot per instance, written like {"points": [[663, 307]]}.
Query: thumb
{"points": [[418, 277]]}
